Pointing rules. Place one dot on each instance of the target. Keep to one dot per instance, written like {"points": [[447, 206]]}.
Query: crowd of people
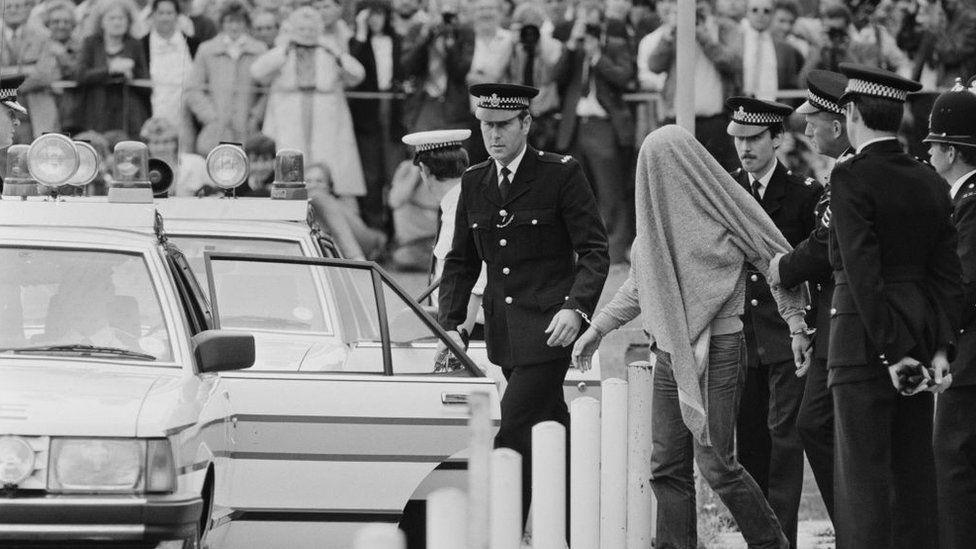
{"points": [[189, 74]]}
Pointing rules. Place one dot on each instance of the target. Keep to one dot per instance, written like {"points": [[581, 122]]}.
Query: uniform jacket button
{"points": [[833, 312], [506, 270], [754, 278], [508, 300], [503, 243], [474, 225], [754, 302], [535, 221], [819, 287], [503, 213]]}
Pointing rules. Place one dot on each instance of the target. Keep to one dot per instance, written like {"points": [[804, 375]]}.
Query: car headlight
{"points": [[16, 460], [124, 465]]}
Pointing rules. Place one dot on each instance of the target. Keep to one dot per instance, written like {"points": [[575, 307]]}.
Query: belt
{"points": [[892, 274]]}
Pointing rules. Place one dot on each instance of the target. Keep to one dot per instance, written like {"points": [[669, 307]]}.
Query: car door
{"points": [[345, 430]]}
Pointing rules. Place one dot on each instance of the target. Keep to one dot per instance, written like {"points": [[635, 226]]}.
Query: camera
{"points": [[529, 35], [449, 18], [593, 30], [837, 35]]}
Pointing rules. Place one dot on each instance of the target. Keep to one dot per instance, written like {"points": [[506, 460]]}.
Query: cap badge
{"points": [[494, 100]]}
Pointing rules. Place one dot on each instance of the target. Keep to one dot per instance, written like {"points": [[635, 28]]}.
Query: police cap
{"points": [[8, 92], [824, 89], [501, 102], [874, 82], [751, 116]]}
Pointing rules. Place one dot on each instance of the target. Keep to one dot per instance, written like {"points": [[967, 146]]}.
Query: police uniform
{"points": [[809, 262], [953, 122], [8, 98], [768, 445], [545, 247], [896, 273]]}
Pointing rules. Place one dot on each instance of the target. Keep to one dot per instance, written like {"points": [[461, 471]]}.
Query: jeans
{"points": [[672, 476]]}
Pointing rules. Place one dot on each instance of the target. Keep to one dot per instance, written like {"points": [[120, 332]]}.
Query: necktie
{"points": [[506, 183], [755, 190], [586, 78]]}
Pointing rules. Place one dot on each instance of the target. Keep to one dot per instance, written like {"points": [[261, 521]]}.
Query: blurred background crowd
{"points": [[342, 81]]}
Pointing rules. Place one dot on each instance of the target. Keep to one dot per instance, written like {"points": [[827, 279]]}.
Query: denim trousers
{"points": [[672, 476]]}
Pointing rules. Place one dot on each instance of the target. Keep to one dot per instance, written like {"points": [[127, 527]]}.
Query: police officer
{"points": [[532, 218], [952, 139], [10, 115], [808, 262], [767, 441], [897, 276]]}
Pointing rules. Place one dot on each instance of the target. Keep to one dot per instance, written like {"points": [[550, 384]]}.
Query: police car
{"points": [[265, 458]]}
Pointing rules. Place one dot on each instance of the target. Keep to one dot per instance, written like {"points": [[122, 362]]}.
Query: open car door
{"points": [[343, 415]]}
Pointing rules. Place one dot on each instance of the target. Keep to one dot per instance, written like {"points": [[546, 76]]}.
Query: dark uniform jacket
{"points": [[897, 274], [964, 217], [790, 201], [545, 247]]}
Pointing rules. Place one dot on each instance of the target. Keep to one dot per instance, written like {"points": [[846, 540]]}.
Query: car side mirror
{"points": [[223, 350]]}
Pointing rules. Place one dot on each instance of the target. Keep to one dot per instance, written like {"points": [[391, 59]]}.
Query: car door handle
{"points": [[454, 398]]}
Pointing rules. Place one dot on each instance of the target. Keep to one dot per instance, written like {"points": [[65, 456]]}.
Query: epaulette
{"points": [[478, 166], [553, 158], [809, 182], [736, 172], [969, 191]]}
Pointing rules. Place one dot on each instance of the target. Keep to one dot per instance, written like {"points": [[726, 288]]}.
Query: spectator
{"points": [[265, 27], [307, 107], [99, 186], [731, 9], [407, 15], [201, 27], [618, 23], [355, 239], [377, 48], [220, 91], [189, 170], [29, 52], [785, 14], [436, 59], [949, 42], [855, 40], [597, 126], [648, 80], [414, 207], [493, 47], [260, 157], [534, 63], [169, 53], [718, 74], [58, 17], [110, 60], [768, 64]]}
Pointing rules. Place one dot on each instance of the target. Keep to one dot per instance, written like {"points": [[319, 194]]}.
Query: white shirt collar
{"points": [[958, 184], [764, 178], [512, 166], [872, 141]]}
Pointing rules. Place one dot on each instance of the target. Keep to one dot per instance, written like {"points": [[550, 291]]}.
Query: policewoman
{"points": [[768, 444], [809, 262], [897, 289], [531, 217], [952, 146], [10, 113]]}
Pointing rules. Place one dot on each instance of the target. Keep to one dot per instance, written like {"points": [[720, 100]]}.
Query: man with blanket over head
{"points": [[697, 229]]}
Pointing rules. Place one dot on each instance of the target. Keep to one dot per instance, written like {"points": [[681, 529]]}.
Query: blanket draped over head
{"points": [[696, 226]]}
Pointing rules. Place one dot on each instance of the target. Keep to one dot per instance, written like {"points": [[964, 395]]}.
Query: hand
{"points": [[455, 336], [362, 27], [578, 31], [591, 46], [585, 347], [121, 65], [941, 377], [903, 371], [802, 353], [773, 276], [563, 328], [702, 34]]}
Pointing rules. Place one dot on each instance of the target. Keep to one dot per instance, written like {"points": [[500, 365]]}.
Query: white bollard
{"points": [[584, 473], [505, 516], [447, 512], [613, 461], [379, 536], [641, 514], [479, 424], [548, 486]]}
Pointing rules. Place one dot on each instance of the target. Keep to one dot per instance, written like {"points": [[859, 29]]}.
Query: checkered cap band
{"points": [[432, 146], [8, 94], [865, 87], [823, 103], [493, 101], [756, 118]]}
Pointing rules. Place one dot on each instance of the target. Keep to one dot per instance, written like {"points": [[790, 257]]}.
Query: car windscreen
{"points": [[194, 246], [80, 302]]}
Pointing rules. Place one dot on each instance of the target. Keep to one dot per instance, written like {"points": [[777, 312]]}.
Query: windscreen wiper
{"points": [[84, 350]]}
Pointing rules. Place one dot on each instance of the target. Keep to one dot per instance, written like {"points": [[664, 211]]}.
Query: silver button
{"points": [[754, 302], [809, 307], [474, 225], [833, 312], [962, 331], [506, 270], [754, 278], [819, 288], [503, 213], [503, 243], [535, 221], [508, 300]]}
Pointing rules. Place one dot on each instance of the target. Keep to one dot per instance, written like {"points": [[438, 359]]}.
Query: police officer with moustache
{"points": [[768, 444], [952, 139], [809, 262], [9, 116], [532, 218], [897, 289]]}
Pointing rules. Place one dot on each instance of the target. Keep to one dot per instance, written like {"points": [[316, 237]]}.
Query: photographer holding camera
{"points": [[853, 37], [533, 63]]}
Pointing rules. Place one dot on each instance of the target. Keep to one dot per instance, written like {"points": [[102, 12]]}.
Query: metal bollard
{"points": [[505, 501], [641, 513], [379, 536], [584, 473], [479, 424], [548, 486], [613, 461], [447, 515]]}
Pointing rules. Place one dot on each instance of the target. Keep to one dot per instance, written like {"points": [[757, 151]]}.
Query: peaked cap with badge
{"points": [[953, 118], [824, 90], [501, 102], [870, 81], [434, 140], [8, 93], [751, 116]]}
